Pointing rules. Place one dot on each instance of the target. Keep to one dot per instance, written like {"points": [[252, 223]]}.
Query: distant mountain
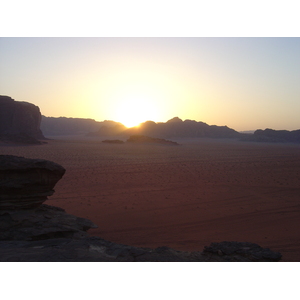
{"points": [[109, 128], [67, 126], [74, 126], [173, 128], [247, 131], [277, 136], [272, 136], [176, 128]]}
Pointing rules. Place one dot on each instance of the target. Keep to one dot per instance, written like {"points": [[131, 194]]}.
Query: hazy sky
{"points": [[244, 83]]}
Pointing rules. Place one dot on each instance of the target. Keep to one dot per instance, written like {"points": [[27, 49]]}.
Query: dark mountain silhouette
{"points": [[109, 128], [176, 128], [279, 136], [19, 121], [172, 128], [272, 136], [68, 126], [74, 126]]}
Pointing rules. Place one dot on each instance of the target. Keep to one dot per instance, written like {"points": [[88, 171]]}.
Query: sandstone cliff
{"points": [[19, 121]]}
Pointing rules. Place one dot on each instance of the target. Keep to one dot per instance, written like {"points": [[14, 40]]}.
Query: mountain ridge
{"points": [[174, 127]]}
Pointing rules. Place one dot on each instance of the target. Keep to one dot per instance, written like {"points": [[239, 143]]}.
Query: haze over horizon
{"points": [[244, 83]]}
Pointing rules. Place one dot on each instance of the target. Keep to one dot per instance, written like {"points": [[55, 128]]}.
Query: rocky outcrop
{"points": [[146, 139], [26, 183], [239, 251], [19, 121], [113, 141], [95, 249], [41, 223], [35, 232]]}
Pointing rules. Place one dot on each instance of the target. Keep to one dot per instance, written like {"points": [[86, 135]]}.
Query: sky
{"points": [[244, 83]]}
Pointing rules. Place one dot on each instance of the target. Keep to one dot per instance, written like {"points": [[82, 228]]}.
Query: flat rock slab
{"points": [[44, 222], [26, 183]]}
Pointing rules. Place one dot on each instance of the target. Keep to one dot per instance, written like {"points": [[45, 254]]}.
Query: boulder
{"points": [[239, 251], [26, 183]]}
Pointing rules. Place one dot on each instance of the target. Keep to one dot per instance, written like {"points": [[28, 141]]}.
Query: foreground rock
{"points": [[95, 249], [26, 183], [44, 222], [240, 251], [31, 231], [19, 121]]}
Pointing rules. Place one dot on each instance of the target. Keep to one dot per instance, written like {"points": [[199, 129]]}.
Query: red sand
{"points": [[184, 197]]}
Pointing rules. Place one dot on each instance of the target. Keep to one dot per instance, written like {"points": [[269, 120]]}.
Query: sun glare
{"points": [[134, 110]]}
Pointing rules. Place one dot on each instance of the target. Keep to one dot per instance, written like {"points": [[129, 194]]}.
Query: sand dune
{"points": [[184, 197]]}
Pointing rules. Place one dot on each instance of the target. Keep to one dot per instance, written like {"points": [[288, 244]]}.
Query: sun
{"points": [[135, 109]]}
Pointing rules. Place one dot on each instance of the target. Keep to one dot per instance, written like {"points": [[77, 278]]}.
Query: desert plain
{"points": [[183, 197]]}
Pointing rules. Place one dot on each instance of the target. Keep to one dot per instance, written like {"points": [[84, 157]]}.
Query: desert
{"points": [[185, 197]]}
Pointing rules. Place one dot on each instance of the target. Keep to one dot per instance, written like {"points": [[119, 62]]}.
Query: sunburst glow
{"points": [[135, 109]]}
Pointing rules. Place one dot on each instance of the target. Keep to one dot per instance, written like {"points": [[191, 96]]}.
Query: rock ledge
{"points": [[26, 183]]}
